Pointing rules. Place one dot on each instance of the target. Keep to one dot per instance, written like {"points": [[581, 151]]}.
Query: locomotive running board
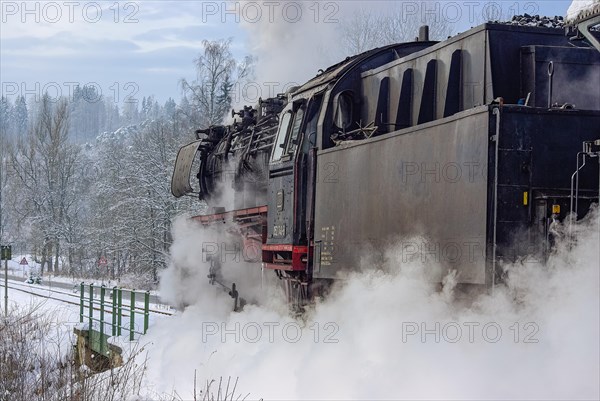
{"points": [[180, 183], [250, 224], [234, 215]]}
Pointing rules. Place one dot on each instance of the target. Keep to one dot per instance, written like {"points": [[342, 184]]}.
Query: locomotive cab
{"points": [[320, 114], [286, 248]]}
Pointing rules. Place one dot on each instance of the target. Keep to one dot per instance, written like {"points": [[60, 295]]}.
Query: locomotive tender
{"points": [[463, 152]]}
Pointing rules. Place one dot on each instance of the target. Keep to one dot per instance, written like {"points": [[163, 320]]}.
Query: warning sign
{"points": [[102, 261], [23, 262]]}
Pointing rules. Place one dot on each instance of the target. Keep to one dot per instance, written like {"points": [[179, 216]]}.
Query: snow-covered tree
{"points": [[44, 164], [20, 117], [85, 179], [169, 108], [6, 117], [217, 71], [88, 113], [131, 114], [368, 29]]}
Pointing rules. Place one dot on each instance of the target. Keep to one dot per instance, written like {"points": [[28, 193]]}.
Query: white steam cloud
{"points": [[384, 335], [295, 39], [194, 248]]}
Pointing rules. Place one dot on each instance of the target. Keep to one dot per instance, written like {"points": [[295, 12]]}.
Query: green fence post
{"points": [[132, 315], [146, 310], [119, 311], [114, 311], [102, 293], [91, 308], [81, 301]]}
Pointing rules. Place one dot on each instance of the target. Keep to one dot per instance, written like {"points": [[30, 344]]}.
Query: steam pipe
{"points": [[575, 177], [497, 113], [577, 187]]}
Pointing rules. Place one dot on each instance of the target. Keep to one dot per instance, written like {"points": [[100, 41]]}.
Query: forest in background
{"points": [[83, 178]]}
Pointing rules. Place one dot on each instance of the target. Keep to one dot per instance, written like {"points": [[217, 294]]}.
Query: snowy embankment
{"points": [[37, 359], [36, 347], [36, 354]]}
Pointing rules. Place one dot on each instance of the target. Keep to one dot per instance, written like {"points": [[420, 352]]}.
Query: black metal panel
{"points": [[554, 138], [511, 207], [281, 206], [517, 162], [505, 42], [576, 78], [536, 159], [391, 189], [427, 181], [382, 119], [429, 98], [455, 85], [404, 113], [469, 67]]}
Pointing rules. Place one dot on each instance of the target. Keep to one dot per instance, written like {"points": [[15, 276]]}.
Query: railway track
{"points": [[28, 289]]}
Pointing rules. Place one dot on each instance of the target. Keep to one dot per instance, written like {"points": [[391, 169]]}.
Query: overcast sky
{"points": [[143, 48]]}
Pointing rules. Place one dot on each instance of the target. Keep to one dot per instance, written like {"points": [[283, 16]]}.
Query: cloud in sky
{"points": [[153, 43]]}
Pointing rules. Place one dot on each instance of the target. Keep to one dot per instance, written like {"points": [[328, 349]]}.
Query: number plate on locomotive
{"points": [[279, 231]]}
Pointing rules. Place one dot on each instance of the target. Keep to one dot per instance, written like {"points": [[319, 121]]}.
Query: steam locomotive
{"points": [[474, 146]]}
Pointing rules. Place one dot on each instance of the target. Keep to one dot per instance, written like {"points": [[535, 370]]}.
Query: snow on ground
{"points": [[16, 267], [63, 317], [392, 335], [66, 315], [38, 341], [17, 299], [42, 290]]}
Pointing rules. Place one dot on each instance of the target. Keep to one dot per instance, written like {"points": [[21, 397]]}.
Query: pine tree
{"points": [[169, 108], [20, 116], [131, 114], [144, 113], [6, 116], [223, 102]]}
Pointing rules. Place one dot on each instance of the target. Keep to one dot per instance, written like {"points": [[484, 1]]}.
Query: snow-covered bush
{"points": [[35, 356], [37, 362]]}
